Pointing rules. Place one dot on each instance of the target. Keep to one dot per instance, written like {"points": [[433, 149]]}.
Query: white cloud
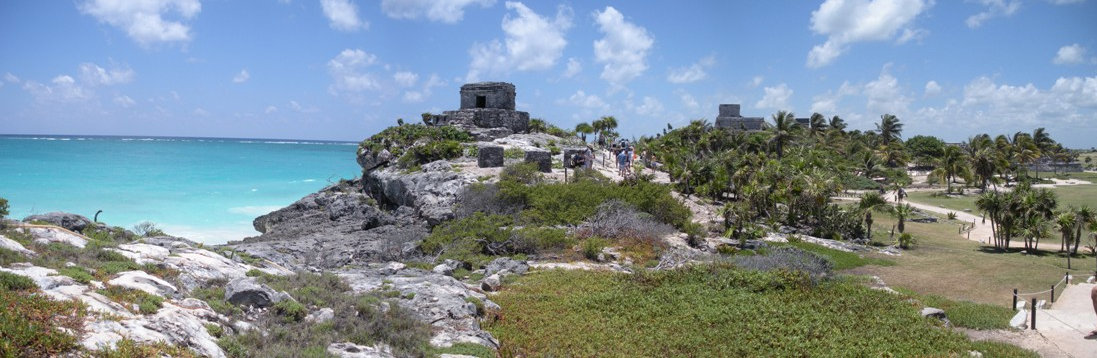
{"points": [[583, 100], [1066, 2], [201, 112], [693, 73], [885, 95], [623, 49], [932, 88], [426, 91], [62, 88], [649, 107], [347, 70], [241, 77], [124, 101], [532, 42], [94, 75], [995, 8], [297, 107], [757, 80], [343, 15], [10, 77], [845, 22], [1068, 55], [909, 35], [270, 109], [574, 67], [775, 98], [447, 11], [985, 103], [688, 100], [405, 78], [828, 102], [145, 21]]}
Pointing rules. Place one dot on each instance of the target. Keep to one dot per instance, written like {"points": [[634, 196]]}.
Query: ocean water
{"points": [[205, 189]]}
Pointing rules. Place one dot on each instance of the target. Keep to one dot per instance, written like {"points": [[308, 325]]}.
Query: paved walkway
{"points": [[1068, 322]]}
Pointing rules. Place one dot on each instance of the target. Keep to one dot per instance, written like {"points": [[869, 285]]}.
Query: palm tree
{"points": [[1043, 140], [950, 165], [837, 123], [817, 124], [903, 212], [583, 129], [984, 164], [889, 128], [870, 201], [991, 204], [1085, 216], [1065, 220], [783, 130]]}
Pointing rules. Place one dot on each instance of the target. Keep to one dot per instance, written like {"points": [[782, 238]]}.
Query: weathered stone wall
{"points": [[497, 95], [516, 121], [1057, 167], [542, 158], [729, 110]]}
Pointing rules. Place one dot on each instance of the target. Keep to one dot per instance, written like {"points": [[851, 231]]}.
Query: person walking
{"points": [[622, 162], [1093, 297]]}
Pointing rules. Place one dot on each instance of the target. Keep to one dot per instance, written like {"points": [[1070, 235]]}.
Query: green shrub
{"points": [[76, 273], [291, 310], [147, 229], [471, 238], [13, 282], [906, 240], [539, 239], [254, 273], [214, 330], [397, 140], [966, 314], [214, 295], [514, 153], [522, 173], [146, 303], [31, 324], [841, 260], [429, 152], [591, 247], [3, 209], [8, 257], [686, 312], [127, 348]]}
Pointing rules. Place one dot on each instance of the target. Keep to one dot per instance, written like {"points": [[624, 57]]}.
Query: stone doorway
{"points": [[481, 101]]}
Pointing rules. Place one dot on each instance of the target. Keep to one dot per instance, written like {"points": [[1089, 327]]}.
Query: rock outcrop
{"points": [[66, 220], [432, 191], [247, 291]]}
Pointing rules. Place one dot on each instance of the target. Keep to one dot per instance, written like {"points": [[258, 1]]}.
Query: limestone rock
{"points": [[43, 235], [351, 350], [320, 316], [140, 280], [542, 158], [172, 324], [436, 299], [491, 283], [506, 266], [13, 245], [68, 221], [392, 268], [490, 156], [936, 313], [247, 291], [432, 192], [142, 253], [447, 267], [369, 160]]}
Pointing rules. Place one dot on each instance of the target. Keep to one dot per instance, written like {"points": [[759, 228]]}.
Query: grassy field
{"points": [[718, 311], [943, 263]]}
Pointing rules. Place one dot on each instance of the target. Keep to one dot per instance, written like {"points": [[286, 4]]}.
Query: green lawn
{"points": [[963, 203], [717, 311], [943, 263]]}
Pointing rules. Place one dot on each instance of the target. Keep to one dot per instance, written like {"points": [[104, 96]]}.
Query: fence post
{"points": [[1033, 325], [1052, 293], [1014, 299], [565, 171]]}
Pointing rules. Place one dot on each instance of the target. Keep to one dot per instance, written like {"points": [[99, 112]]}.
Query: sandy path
{"points": [[1068, 322]]}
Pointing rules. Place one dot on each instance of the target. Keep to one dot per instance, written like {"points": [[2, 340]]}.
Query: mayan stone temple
{"points": [[487, 111], [729, 118]]}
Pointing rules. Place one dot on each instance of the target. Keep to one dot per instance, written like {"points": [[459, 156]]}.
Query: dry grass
{"points": [[947, 265]]}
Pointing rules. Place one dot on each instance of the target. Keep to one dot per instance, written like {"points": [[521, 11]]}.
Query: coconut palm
{"points": [[889, 128], [783, 131], [951, 165], [985, 163], [1084, 216], [902, 212], [817, 125], [1065, 221], [837, 123], [991, 204], [870, 201], [583, 129]]}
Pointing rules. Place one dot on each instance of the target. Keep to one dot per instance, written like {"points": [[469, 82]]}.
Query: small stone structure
{"points": [[570, 153], [729, 118], [487, 111], [542, 158], [490, 156]]}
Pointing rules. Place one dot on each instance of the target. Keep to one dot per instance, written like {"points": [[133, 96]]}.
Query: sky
{"points": [[346, 69]]}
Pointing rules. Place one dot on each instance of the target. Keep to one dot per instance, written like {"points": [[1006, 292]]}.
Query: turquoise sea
{"points": [[204, 189]]}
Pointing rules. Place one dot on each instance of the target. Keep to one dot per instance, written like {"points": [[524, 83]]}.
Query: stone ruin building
{"points": [[487, 111], [729, 118]]}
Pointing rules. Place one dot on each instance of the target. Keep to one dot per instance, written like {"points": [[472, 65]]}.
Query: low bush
{"points": [[572, 203], [471, 239], [841, 260], [146, 303], [8, 257], [593, 246], [714, 310], [966, 314], [514, 153], [31, 324], [429, 152], [616, 219], [13, 282], [76, 273], [290, 310], [147, 229], [787, 259], [127, 348], [906, 240]]}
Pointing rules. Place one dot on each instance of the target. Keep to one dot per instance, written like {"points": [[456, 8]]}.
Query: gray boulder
{"points": [[937, 313], [13, 245], [506, 266], [447, 267], [247, 291], [320, 316], [68, 221], [372, 160], [432, 191], [490, 156], [351, 350], [542, 158], [491, 283]]}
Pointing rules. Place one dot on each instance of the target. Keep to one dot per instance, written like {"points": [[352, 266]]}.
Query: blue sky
{"points": [[345, 69]]}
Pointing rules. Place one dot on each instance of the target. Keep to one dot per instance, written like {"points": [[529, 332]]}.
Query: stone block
{"points": [[490, 157], [729, 110], [542, 158], [569, 154]]}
